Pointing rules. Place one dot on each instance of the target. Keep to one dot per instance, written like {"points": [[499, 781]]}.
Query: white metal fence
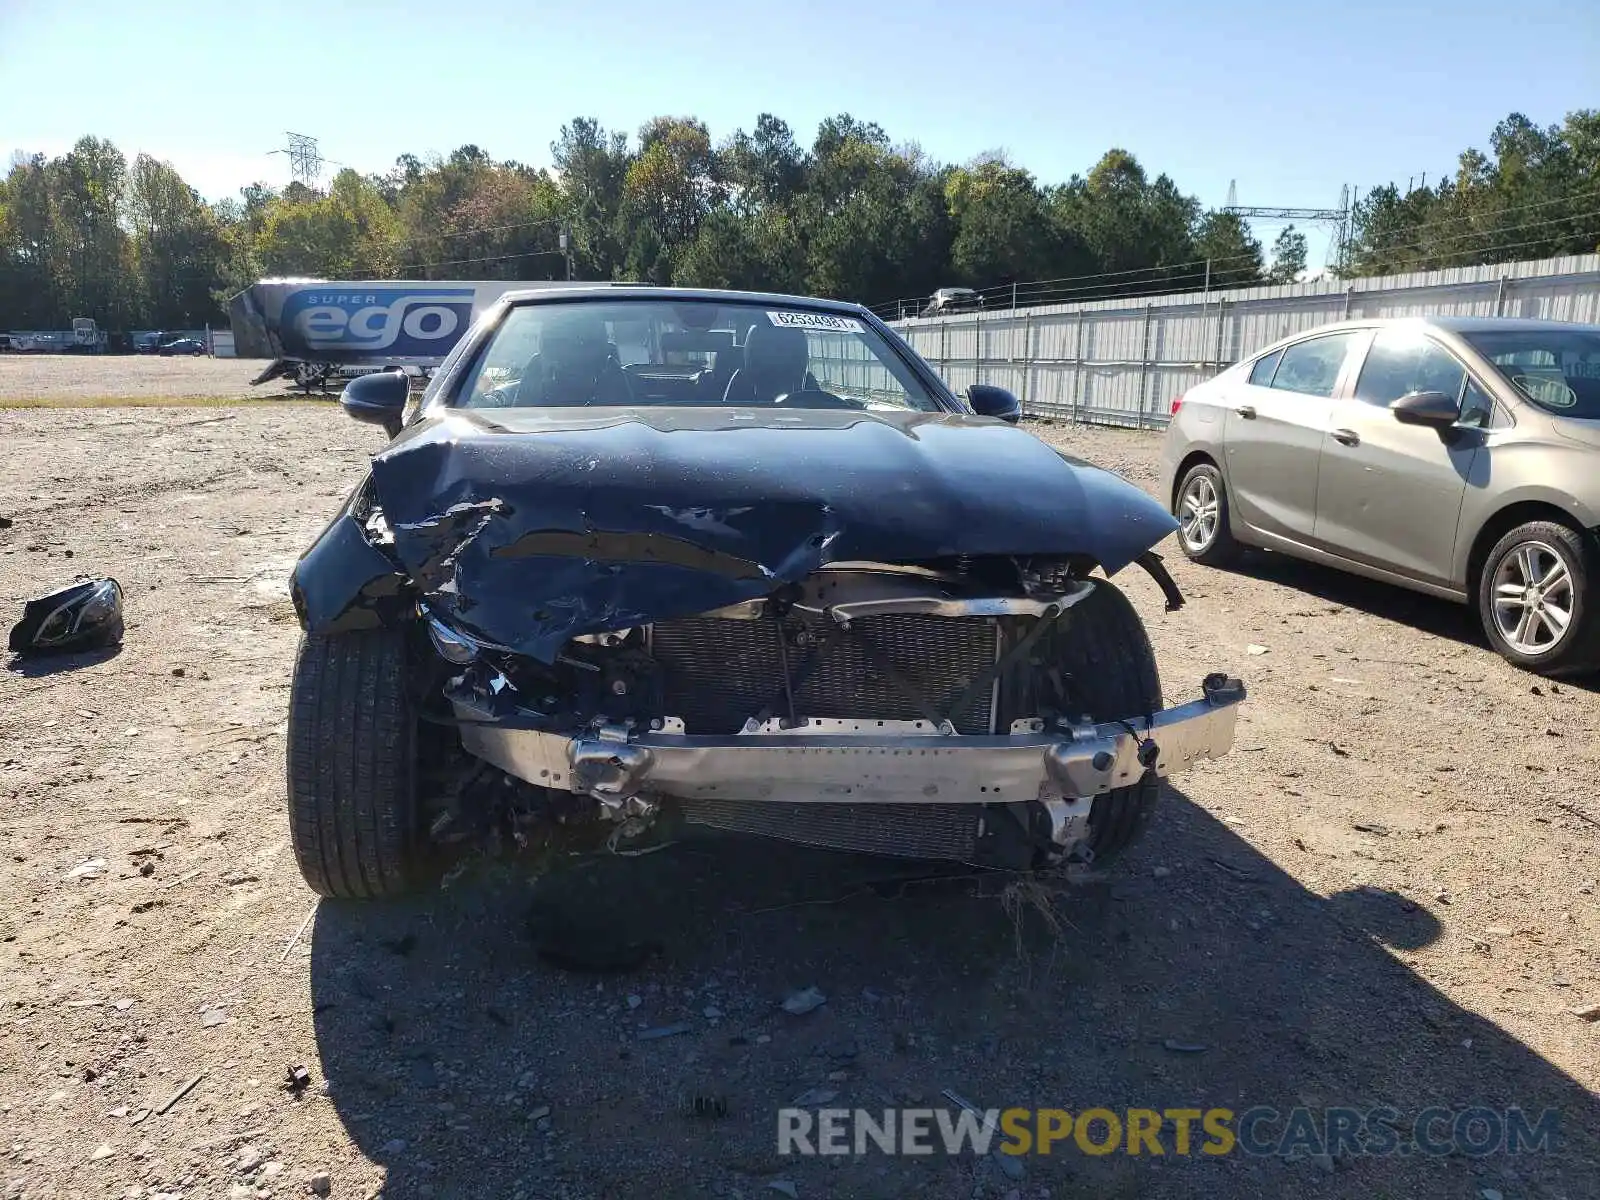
{"points": [[1121, 362]]}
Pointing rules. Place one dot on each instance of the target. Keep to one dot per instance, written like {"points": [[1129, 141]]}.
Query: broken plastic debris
{"points": [[663, 1031], [89, 868], [799, 1003]]}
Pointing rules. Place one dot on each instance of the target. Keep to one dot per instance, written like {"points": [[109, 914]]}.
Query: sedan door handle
{"points": [[1247, 411], [1347, 437]]}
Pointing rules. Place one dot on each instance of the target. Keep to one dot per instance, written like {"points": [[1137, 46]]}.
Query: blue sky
{"points": [[1292, 100]]}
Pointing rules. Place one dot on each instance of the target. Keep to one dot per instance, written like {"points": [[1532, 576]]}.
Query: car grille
{"points": [[720, 672]]}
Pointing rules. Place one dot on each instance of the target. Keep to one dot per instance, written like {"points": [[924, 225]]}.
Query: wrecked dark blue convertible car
{"points": [[644, 559]]}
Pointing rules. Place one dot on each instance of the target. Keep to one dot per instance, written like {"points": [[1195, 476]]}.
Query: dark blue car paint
{"points": [[528, 527]]}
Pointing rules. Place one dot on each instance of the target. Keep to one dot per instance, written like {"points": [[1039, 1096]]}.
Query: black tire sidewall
{"points": [[1107, 647], [1577, 556], [353, 768]]}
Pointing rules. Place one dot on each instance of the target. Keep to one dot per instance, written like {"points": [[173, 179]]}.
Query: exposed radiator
{"points": [[719, 672], [927, 831]]}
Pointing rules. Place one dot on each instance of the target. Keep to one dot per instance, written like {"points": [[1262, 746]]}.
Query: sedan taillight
{"points": [[1177, 403]]}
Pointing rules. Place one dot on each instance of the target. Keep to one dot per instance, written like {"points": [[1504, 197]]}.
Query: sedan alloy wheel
{"points": [[1199, 513], [1533, 598]]}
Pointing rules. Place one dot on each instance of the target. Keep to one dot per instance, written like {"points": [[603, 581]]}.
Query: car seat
{"points": [[775, 362]]}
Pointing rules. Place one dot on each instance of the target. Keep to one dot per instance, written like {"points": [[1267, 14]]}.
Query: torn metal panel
{"points": [[531, 526], [345, 582]]}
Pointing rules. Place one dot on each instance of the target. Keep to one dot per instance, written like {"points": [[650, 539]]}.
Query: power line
{"points": [[995, 288], [1176, 284], [457, 262], [1149, 288], [412, 241], [1027, 289], [1489, 234], [1487, 219]]}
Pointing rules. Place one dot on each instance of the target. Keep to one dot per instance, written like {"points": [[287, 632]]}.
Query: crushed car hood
{"points": [[527, 527]]}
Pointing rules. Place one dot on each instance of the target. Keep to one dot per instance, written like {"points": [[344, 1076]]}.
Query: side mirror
{"points": [[378, 399], [990, 401], [1434, 409]]}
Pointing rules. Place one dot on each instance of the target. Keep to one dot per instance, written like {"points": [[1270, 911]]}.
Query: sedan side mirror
{"points": [[1434, 409], [378, 399], [990, 401]]}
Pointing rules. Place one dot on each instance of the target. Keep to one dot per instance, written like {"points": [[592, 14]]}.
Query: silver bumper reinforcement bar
{"points": [[866, 761]]}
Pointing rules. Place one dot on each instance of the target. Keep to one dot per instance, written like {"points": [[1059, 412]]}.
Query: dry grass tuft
{"points": [[1036, 895]]}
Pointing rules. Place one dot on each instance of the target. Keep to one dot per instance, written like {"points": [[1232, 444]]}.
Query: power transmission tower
{"points": [[1339, 217], [305, 160]]}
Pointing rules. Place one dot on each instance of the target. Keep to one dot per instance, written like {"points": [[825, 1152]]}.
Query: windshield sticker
{"points": [[822, 321], [1547, 390]]}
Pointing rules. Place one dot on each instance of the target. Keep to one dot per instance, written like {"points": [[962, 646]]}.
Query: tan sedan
{"points": [[1455, 456]]}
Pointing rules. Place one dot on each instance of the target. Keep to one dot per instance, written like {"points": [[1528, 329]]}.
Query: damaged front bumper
{"points": [[866, 762]]}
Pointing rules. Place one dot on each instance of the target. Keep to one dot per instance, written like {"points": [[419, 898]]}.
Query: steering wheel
{"points": [[504, 396], [816, 398]]}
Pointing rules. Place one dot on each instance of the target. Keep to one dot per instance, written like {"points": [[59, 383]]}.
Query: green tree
{"points": [[1288, 256], [852, 214], [177, 246], [348, 232], [33, 270], [726, 253], [1139, 231], [765, 169], [591, 167], [86, 190], [668, 191], [1001, 231], [1531, 196], [1225, 242]]}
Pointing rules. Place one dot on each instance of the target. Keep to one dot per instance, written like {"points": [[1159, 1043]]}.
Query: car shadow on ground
{"points": [[466, 1065], [1441, 618]]}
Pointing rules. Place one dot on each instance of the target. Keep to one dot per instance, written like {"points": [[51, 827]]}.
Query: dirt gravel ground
{"points": [[80, 377], [1384, 897]]}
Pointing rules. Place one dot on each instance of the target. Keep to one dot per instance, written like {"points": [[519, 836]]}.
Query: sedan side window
{"points": [[1313, 366], [1401, 362], [1478, 410], [1261, 373]]}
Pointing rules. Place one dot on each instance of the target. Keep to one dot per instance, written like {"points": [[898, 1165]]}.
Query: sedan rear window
{"points": [[1313, 366], [692, 352], [1261, 373], [1556, 369]]}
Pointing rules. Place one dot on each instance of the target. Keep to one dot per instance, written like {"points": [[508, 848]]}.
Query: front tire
{"points": [[1535, 602], [1202, 512], [1109, 668], [352, 766]]}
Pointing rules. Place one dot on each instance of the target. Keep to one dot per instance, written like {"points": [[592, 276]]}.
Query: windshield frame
{"points": [[1483, 345], [461, 366]]}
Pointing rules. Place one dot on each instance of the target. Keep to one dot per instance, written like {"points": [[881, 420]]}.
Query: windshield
{"points": [[1557, 369], [588, 353]]}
